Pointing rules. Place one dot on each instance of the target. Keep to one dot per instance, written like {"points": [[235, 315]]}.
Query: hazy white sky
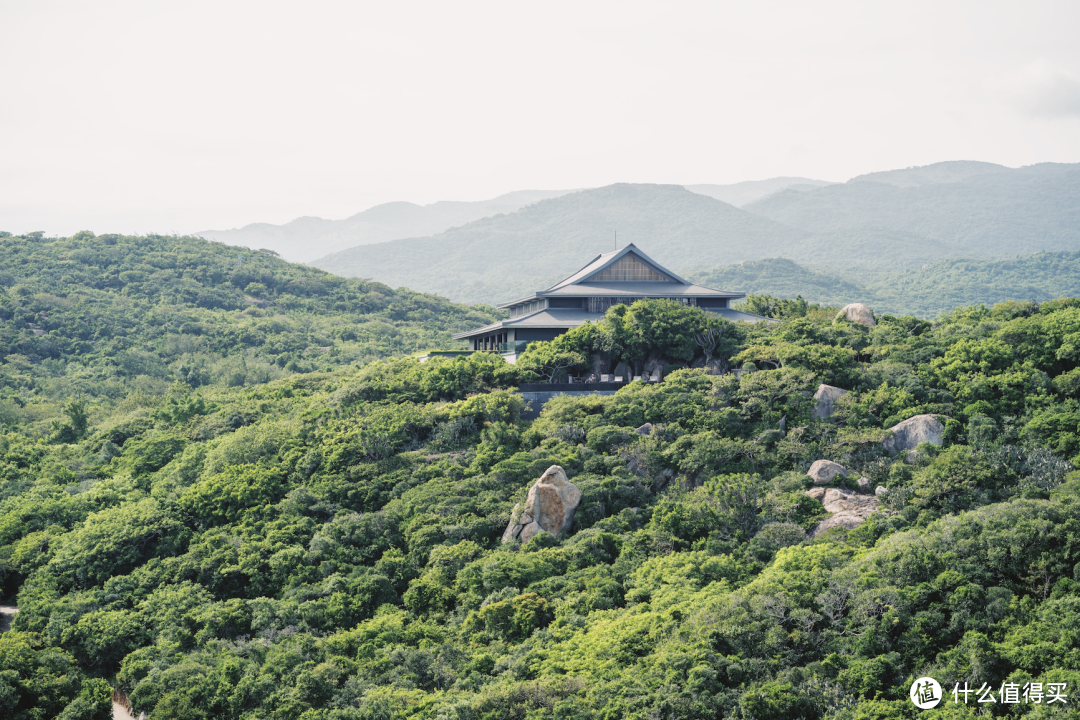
{"points": [[181, 116]]}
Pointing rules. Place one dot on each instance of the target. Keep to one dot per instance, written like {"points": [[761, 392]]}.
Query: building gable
{"points": [[628, 268]]}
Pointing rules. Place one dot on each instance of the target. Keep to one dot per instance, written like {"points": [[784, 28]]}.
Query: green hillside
{"points": [[104, 317], [781, 278], [927, 291], [326, 545]]}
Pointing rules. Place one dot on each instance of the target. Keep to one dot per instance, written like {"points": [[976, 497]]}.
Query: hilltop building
{"points": [[615, 278]]}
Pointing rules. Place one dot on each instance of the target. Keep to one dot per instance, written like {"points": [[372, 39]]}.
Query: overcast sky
{"points": [[182, 116]]}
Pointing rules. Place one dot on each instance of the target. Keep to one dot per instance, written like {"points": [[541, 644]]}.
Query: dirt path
{"points": [[119, 712], [7, 612]]}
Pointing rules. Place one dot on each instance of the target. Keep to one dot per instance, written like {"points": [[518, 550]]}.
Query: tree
{"points": [[547, 361]]}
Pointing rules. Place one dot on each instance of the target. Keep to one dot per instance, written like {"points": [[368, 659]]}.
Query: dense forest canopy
{"points": [[324, 542], [111, 317], [926, 291]]}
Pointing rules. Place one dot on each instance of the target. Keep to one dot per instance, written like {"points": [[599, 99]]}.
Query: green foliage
{"points": [[224, 496], [108, 317], [328, 545], [662, 331], [38, 681], [933, 287]]}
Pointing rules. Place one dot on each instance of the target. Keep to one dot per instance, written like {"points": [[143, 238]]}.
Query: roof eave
{"points": [[512, 303]]}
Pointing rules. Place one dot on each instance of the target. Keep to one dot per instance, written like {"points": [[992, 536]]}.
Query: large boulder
{"points": [[653, 370], [715, 367], [597, 365], [549, 506], [822, 472], [857, 313], [849, 510], [914, 431], [826, 397]]}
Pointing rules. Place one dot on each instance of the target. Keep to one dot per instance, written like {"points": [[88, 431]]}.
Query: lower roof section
{"points": [[565, 319], [542, 319]]}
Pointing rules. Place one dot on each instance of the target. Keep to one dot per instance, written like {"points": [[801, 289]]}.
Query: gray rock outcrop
{"points": [[912, 432], [645, 429], [881, 490], [714, 367], [826, 397], [857, 313], [549, 506], [597, 364], [653, 371], [822, 472], [849, 510]]}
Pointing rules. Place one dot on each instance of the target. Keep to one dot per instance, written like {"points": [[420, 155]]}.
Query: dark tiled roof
{"points": [[570, 318], [644, 289]]}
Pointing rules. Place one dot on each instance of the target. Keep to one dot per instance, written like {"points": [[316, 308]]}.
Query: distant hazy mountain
{"points": [[499, 258], [925, 292], [307, 238], [999, 212], [860, 224], [942, 172], [740, 194]]}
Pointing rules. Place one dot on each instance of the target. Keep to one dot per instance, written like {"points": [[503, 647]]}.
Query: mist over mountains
{"points": [[739, 194], [866, 229], [502, 257], [1000, 212], [878, 222], [307, 238]]}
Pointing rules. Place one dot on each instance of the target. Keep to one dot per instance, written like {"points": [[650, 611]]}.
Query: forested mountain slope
{"points": [[1026, 210], [741, 193], [326, 546], [943, 172], [307, 238], [501, 258], [900, 219], [108, 316], [926, 291]]}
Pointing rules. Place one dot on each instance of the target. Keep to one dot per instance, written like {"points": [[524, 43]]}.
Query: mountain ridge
{"points": [[867, 224], [307, 237], [1025, 210], [558, 235]]}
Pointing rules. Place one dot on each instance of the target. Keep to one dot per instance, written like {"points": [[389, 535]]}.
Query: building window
{"points": [[528, 308], [601, 304]]}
